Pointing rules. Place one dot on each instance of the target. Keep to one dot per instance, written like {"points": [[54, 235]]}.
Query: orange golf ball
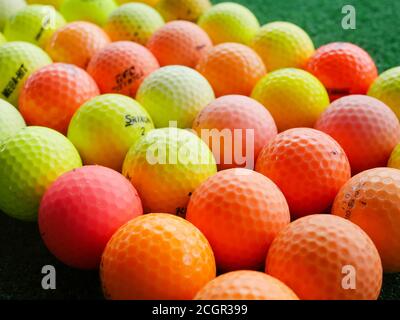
{"points": [[240, 212], [325, 257], [76, 43], [52, 94], [179, 43], [232, 68], [246, 285], [308, 166], [120, 67], [156, 256]]}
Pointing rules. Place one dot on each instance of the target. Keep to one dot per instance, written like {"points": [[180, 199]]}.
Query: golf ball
{"points": [[121, 66], [179, 43], [283, 45], [8, 8], [181, 258], [35, 24], [308, 166], [325, 257], [166, 166], [189, 10], [230, 22], [52, 94], [81, 211], [365, 127], [387, 89], [343, 68], [96, 11], [114, 122], [30, 161], [18, 60], [394, 160], [294, 97], [371, 200], [245, 285], [175, 93], [232, 68], [134, 22], [235, 128], [76, 43], [240, 212], [11, 120]]}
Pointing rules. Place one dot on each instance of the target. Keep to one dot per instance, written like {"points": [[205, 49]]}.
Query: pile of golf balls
{"points": [[187, 152]]}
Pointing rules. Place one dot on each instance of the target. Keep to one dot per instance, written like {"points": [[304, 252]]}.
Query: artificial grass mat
{"points": [[22, 253]]}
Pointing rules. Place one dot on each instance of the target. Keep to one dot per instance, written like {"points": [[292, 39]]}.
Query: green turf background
{"points": [[22, 253]]}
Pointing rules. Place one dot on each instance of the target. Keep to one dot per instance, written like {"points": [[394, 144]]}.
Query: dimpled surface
{"points": [[245, 285], [9, 8], [30, 161], [240, 212], [308, 166], [343, 68], [133, 21], [96, 11], [190, 10], [180, 257], [235, 113], [294, 97], [365, 127], [387, 89], [394, 160], [309, 256], [121, 67], [175, 93], [371, 199], [166, 166], [18, 60], [230, 22], [77, 43], [34, 23], [114, 122], [11, 120], [283, 45], [232, 68], [52, 94], [179, 43], [81, 211]]}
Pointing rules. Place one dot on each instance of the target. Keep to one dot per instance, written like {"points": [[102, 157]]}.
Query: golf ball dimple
{"points": [[371, 200], [245, 285], [232, 68], [366, 129], [343, 68], [190, 10], [240, 212], [76, 43], [283, 45], [387, 89], [18, 60], [121, 67], [230, 22], [308, 166], [134, 22], [104, 128], [11, 120], [8, 8], [294, 97], [166, 166], [181, 256], [31, 160], [35, 24], [174, 94], [81, 211], [179, 43], [314, 254], [53, 93]]}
